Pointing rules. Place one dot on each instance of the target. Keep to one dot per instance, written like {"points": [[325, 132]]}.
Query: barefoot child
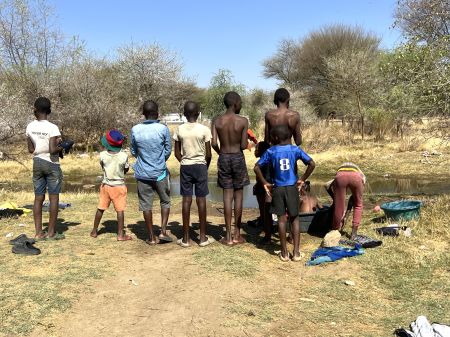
{"points": [[193, 151], [231, 131], [282, 159], [114, 163], [265, 218], [43, 140]]}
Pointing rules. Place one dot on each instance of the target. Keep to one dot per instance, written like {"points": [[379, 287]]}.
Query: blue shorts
{"points": [[46, 175]]}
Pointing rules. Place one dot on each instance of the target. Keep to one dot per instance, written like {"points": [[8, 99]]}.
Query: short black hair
{"points": [[281, 96], [43, 105], [281, 133], [191, 109], [150, 108], [263, 146], [230, 98]]}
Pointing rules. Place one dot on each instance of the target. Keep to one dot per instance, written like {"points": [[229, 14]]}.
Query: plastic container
{"points": [[402, 210], [305, 221]]}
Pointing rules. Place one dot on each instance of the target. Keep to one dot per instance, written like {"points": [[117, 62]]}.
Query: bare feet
{"points": [[94, 233], [284, 258], [297, 256], [40, 236], [226, 243], [150, 242], [239, 240], [124, 237]]}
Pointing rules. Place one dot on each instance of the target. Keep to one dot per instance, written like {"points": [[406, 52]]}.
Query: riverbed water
{"points": [[374, 186]]}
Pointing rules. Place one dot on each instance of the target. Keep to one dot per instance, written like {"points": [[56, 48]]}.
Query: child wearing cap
{"points": [[114, 163]]}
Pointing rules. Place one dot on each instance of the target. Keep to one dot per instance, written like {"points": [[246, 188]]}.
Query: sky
{"points": [[212, 35]]}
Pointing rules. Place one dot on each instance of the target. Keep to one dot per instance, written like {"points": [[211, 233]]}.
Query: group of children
{"points": [[279, 189]]}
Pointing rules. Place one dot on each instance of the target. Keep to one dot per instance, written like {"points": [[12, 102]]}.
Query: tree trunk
{"points": [[362, 116]]}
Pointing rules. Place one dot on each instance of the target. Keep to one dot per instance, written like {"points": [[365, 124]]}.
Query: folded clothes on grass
{"points": [[363, 240], [391, 230], [10, 209], [331, 254], [422, 328], [46, 206]]}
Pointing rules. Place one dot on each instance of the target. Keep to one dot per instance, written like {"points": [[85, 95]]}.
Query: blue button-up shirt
{"points": [[151, 145]]}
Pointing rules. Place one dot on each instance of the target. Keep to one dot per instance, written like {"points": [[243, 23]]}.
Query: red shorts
{"points": [[116, 194]]}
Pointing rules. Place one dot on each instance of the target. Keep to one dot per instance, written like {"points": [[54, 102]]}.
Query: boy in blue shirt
{"points": [[282, 160]]}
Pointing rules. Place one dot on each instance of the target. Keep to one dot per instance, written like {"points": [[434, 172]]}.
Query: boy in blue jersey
{"points": [[282, 160]]}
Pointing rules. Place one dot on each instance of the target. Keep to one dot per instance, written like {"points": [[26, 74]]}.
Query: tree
{"points": [[220, 84], [148, 71], [302, 66], [352, 81], [283, 65], [423, 20]]}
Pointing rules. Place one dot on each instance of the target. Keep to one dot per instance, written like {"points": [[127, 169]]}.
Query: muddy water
{"points": [[374, 186]]}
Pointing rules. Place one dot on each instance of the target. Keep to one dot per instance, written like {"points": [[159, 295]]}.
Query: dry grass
{"points": [[394, 283]]}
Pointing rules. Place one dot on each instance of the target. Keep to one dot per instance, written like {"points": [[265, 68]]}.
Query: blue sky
{"points": [[212, 35]]}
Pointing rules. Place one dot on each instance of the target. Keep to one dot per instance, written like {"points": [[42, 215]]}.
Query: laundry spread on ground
{"points": [[331, 254], [10, 209]]}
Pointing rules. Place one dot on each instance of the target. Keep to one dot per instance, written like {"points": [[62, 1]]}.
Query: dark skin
{"points": [[187, 200], [263, 205], [282, 220], [308, 202], [121, 236], [330, 190], [54, 148], [282, 115], [148, 215], [230, 130]]}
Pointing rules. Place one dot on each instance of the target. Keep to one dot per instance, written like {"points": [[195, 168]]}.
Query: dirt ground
{"points": [[100, 287], [172, 291]]}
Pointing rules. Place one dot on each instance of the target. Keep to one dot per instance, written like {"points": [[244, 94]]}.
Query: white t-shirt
{"points": [[40, 133], [193, 137]]}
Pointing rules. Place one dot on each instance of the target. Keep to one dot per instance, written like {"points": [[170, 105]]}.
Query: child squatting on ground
{"points": [[193, 151], [282, 159], [114, 163]]}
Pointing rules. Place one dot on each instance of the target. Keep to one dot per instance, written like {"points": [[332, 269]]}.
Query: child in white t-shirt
{"points": [[43, 140]]}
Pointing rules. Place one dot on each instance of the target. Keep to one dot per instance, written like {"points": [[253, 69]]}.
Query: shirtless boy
{"points": [[282, 115], [231, 131]]}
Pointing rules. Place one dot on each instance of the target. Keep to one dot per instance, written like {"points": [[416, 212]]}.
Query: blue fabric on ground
{"points": [[331, 254]]}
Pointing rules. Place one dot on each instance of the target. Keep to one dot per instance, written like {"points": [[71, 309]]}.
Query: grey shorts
{"points": [[146, 191], [46, 176]]}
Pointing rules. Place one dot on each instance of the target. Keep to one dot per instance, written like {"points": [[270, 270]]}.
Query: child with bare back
{"points": [[282, 115], [308, 202], [230, 130]]}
